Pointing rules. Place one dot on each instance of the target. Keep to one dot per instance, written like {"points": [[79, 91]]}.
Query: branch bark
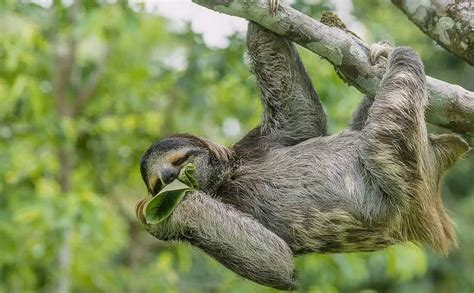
{"points": [[64, 66], [449, 23], [451, 106], [62, 79]]}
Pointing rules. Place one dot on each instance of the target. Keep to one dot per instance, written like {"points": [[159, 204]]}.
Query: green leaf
{"points": [[163, 204], [186, 176]]}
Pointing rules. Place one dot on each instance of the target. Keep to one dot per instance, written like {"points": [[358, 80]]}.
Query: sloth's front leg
{"points": [[359, 116], [235, 239]]}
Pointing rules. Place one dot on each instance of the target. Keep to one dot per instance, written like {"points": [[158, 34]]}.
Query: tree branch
{"points": [[451, 25], [451, 106], [62, 83], [62, 77]]}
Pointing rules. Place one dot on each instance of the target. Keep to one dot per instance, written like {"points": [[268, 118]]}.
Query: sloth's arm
{"points": [[359, 116], [293, 111], [235, 239]]}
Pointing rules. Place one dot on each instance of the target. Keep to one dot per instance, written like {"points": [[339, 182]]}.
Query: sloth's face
{"points": [[162, 162]]}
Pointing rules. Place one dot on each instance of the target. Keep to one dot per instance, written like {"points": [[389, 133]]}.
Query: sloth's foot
{"points": [[380, 49], [273, 5]]}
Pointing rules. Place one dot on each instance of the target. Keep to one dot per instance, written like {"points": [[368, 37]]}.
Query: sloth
{"points": [[289, 188]]}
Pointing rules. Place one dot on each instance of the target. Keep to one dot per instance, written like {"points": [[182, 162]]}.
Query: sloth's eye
{"points": [[181, 160]]}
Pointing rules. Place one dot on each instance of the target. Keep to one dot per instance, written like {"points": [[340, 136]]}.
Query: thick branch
{"points": [[449, 23], [451, 106]]}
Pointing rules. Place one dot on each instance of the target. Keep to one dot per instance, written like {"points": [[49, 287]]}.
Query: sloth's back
{"points": [[324, 169]]}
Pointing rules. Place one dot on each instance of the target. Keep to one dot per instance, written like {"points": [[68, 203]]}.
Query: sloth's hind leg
{"points": [[395, 130]]}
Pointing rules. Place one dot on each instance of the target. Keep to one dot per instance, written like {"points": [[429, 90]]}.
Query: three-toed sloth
{"points": [[288, 188]]}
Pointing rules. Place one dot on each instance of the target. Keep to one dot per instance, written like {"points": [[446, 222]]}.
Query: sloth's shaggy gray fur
{"points": [[288, 188]]}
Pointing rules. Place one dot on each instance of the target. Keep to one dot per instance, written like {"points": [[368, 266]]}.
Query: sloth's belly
{"points": [[316, 211], [316, 225]]}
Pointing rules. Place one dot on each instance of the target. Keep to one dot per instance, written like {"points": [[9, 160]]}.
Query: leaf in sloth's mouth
{"points": [[161, 206]]}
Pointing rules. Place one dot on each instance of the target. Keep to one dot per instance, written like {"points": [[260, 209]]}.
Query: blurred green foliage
{"points": [[69, 174]]}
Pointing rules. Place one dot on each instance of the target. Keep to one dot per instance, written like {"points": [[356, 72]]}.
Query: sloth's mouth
{"points": [[154, 185], [157, 187], [163, 177]]}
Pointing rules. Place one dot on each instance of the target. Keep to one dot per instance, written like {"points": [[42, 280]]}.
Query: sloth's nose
{"points": [[168, 174]]}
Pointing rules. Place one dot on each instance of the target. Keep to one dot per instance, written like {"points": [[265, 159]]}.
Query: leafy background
{"points": [[69, 174]]}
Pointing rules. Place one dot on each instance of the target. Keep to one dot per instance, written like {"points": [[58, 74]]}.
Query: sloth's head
{"points": [[162, 162]]}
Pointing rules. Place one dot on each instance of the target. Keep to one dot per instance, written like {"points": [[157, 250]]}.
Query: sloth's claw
{"points": [[139, 211], [380, 49], [273, 5]]}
